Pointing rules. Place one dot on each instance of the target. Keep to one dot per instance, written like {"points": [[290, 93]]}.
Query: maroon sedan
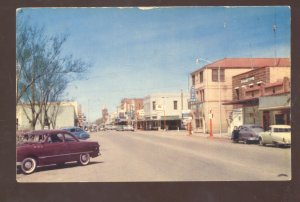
{"points": [[45, 147]]}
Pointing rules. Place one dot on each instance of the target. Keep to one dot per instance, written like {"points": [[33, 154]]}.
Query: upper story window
{"points": [[201, 77], [215, 75], [193, 80], [175, 104], [154, 105], [237, 91]]}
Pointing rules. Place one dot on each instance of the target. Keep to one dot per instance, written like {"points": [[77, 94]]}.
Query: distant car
{"points": [[279, 135], [109, 127], [128, 128], [119, 128], [78, 132], [45, 147], [101, 128], [247, 133]]}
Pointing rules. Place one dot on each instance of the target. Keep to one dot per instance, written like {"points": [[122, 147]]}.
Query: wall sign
{"points": [[245, 80]]}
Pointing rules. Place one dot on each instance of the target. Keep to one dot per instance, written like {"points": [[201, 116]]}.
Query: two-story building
{"points": [[213, 86], [262, 96], [164, 111]]}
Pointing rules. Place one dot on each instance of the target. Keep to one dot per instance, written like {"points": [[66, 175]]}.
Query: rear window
{"points": [[281, 130]]}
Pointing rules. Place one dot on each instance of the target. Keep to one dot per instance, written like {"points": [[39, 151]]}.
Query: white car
{"points": [[128, 128], [277, 135]]}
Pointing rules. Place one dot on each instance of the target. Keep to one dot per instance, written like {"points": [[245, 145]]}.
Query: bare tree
{"points": [[43, 71]]}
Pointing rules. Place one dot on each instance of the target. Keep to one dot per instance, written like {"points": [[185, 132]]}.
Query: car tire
{"points": [[28, 165], [261, 143], [84, 159]]}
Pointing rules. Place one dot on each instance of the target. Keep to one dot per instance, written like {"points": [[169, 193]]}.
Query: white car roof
{"points": [[280, 126]]}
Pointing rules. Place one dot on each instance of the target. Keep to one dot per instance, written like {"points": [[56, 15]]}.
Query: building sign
{"points": [[246, 80], [192, 92]]}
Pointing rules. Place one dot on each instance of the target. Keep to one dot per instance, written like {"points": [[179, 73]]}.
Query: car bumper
{"points": [[253, 138]]}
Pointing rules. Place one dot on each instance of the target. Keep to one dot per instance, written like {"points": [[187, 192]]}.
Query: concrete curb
{"points": [[221, 136]]}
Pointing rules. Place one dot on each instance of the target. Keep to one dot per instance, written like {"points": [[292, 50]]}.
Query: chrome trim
{"points": [[43, 157]]}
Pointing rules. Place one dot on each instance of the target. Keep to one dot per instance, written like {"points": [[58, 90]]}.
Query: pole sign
{"points": [[192, 92]]}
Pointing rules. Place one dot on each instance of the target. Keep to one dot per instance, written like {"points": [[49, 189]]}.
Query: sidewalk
{"points": [[185, 133]]}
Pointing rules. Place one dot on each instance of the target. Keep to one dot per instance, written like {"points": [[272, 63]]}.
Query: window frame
{"points": [[175, 105]]}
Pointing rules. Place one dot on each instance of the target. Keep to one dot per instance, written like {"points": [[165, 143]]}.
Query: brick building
{"points": [[262, 95]]}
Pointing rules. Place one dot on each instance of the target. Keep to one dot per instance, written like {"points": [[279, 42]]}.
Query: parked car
{"points": [[45, 147], [279, 135], [128, 128], [109, 127], [78, 132], [247, 133], [119, 128]]}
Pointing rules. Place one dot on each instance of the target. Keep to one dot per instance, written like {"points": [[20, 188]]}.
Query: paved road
{"points": [[168, 156]]}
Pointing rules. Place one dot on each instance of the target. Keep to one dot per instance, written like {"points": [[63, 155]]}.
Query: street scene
{"points": [[170, 156], [153, 94]]}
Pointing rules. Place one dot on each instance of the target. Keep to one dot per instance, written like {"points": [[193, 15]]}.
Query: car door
{"points": [[72, 147], [53, 149], [241, 132], [267, 136]]}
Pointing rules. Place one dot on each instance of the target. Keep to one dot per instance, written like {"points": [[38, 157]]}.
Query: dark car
{"points": [[78, 132], [45, 147], [247, 133]]}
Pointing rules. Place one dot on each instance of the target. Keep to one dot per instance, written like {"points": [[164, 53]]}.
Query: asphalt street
{"points": [[145, 156]]}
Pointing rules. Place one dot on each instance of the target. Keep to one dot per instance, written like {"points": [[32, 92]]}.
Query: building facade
{"points": [[163, 111], [211, 87], [263, 94], [59, 115]]}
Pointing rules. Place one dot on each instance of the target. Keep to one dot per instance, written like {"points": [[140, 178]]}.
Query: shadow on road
{"points": [[58, 167]]}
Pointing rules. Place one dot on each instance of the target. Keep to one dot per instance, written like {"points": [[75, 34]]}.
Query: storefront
{"points": [[275, 110]]}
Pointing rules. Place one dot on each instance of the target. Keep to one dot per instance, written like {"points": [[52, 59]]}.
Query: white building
{"points": [[59, 115], [164, 111]]}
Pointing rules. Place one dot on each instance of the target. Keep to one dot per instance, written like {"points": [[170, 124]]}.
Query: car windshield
{"points": [[282, 130], [257, 128]]}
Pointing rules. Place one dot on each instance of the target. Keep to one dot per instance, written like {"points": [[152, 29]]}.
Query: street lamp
{"points": [[219, 81]]}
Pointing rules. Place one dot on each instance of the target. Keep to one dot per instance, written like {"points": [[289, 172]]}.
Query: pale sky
{"points": [[137, 52]]}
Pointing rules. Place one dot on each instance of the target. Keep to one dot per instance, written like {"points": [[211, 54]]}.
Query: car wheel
{"points": [[261, 143], [84, 159], [28, 165]]}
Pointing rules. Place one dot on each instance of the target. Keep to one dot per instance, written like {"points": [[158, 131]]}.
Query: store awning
{"points": [[169, 118], [251, 101], [275, 102]]}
